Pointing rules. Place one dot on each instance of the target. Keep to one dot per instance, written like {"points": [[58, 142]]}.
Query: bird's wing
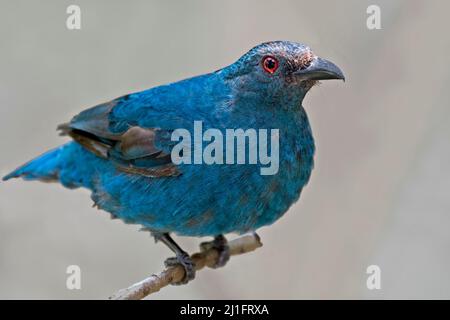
{"points": [[131, 147]]}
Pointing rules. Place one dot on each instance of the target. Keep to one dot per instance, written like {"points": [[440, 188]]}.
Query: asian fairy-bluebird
{"points": [[121, 149]]}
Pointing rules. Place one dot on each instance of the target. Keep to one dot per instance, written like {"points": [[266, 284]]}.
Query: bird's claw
{"points": [[219, 244], [186, 262]]}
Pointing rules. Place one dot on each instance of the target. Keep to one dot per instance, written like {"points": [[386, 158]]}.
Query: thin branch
{"points": [[175, 274]]}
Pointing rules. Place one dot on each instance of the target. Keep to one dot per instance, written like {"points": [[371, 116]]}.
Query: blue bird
{"points": [[121, 150]]}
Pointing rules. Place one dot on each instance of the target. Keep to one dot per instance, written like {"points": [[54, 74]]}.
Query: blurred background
{"points": [[380, 192]]}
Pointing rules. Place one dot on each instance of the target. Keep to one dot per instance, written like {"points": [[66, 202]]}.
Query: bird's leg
{"points": [[220, 244], [181, 257]]}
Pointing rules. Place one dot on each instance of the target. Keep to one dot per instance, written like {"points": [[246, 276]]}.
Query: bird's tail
{"points": [[46, 167], [56, 165]]}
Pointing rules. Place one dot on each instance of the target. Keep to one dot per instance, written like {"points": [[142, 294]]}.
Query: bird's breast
{"points": [[262, 199]]}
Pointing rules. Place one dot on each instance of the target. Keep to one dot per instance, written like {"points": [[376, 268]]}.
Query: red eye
{"points": [[270, 64]]}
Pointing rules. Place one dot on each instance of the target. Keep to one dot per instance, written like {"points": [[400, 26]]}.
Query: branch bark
{"points": [[175, 274]]}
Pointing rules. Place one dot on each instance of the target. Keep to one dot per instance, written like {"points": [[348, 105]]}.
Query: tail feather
{"points": [[46, 167]]}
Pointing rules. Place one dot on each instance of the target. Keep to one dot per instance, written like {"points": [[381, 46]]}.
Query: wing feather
{"points": [[133, 150]]}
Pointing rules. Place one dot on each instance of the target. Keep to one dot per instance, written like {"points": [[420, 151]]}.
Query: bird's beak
{"points": [[320, 69]]}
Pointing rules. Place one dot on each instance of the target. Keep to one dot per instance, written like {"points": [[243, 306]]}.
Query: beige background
{"points": [[379, 193]]}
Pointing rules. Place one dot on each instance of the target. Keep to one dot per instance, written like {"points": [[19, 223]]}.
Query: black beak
{"points": [[320, 69]]}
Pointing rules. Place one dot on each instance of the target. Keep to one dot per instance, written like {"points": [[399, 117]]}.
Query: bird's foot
{"points": [[186, 262], [220, 244]]}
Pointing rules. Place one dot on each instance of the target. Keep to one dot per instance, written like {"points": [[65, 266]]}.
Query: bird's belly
{"points": [[208, 199], [205, 200]]}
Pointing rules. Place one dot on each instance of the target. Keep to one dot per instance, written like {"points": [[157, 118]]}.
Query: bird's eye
{"points": [[270, 64]]}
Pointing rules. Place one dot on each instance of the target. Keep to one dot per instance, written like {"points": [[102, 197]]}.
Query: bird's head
{"points": [[280, 70]]}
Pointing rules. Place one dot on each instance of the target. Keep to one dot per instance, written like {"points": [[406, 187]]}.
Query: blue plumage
{"points": [[121, 149]]}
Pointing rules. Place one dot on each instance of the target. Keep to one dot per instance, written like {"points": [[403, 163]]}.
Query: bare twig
{"points": [[175, 274]]}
